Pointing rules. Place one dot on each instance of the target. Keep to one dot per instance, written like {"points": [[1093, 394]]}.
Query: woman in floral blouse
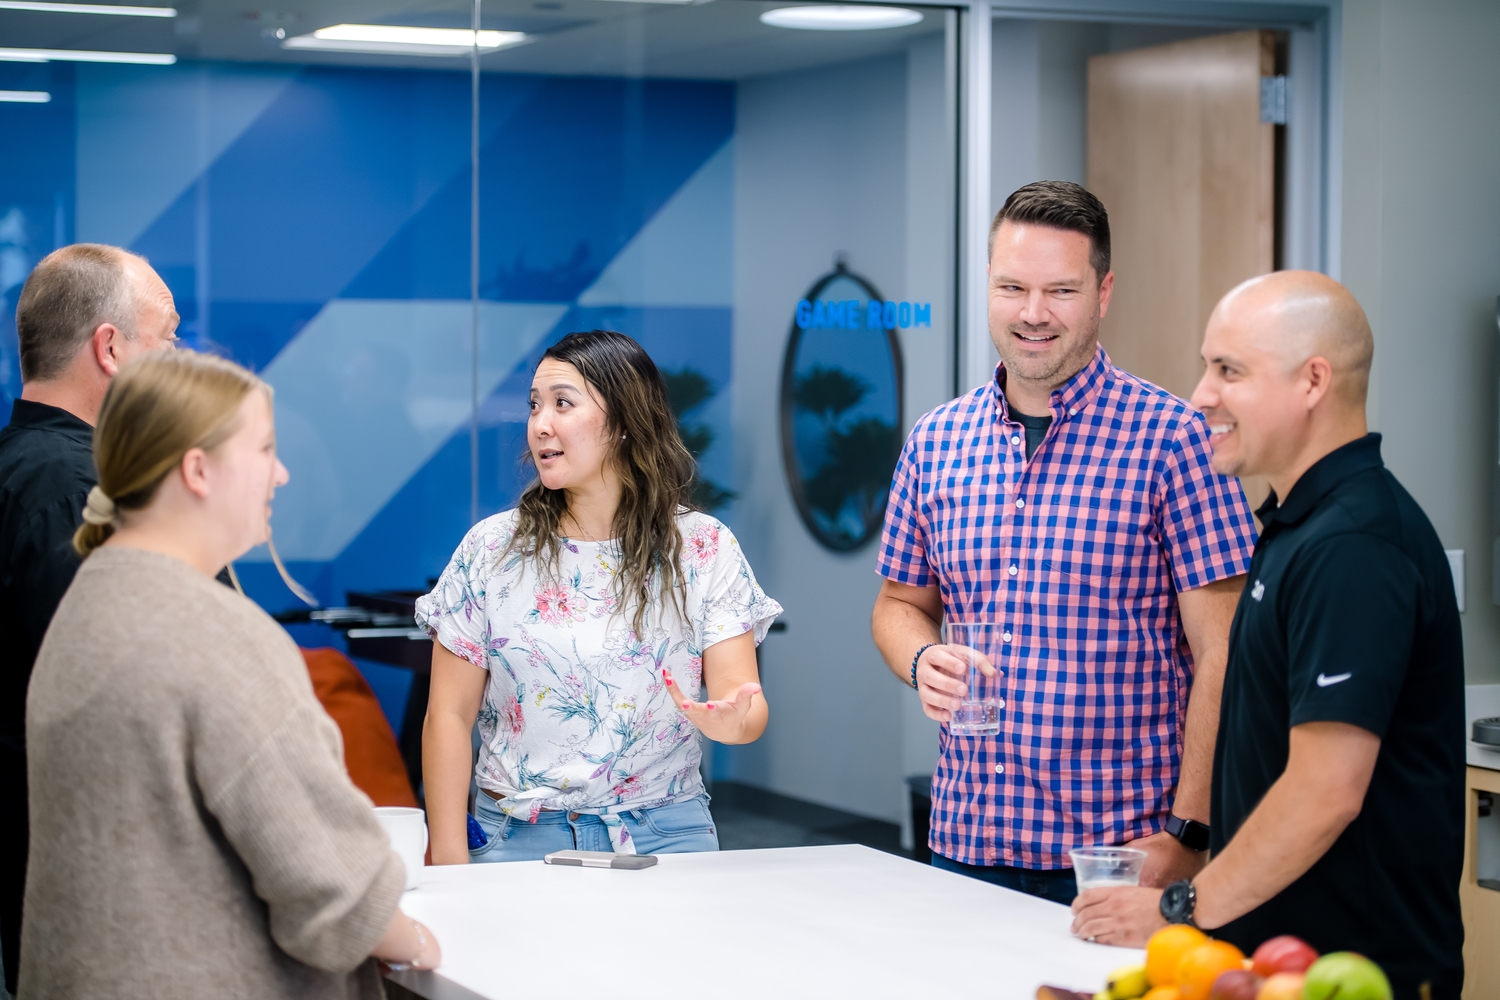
{"points": [[582, 629]]}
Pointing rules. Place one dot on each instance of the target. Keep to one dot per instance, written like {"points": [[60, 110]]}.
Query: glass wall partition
{"points": [[766, 202]]}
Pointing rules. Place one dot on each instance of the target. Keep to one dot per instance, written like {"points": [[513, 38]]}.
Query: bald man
{"points": [[84, 311], [1338, 780]]}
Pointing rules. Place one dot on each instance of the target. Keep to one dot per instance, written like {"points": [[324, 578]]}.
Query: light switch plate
{"points": [[1456, 565]]}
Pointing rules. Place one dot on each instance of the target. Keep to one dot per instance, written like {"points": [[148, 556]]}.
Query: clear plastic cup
{"points": [[1095, 867], [978, 712]]}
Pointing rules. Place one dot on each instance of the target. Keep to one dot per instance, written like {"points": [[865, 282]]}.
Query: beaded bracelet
{"points": [[416, 962], [914, 660]]}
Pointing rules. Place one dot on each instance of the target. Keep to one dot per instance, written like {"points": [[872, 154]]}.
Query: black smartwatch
{"points": [[1178, 901], [1193, 834]]}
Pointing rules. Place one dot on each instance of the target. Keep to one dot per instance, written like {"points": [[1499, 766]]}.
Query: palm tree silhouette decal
{"points": [[857, 469], [688, 389]]}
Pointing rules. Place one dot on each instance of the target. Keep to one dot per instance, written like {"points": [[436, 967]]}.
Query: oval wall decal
{"points": [[841, 410]]}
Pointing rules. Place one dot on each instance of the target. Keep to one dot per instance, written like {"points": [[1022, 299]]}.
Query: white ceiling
{"points": [[718, 40]]}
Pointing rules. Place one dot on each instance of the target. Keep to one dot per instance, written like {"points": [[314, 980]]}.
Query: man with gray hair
{"points": [[84, 311]]}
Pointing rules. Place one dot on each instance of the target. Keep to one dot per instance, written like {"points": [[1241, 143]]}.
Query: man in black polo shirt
{"points": [[1338, 782], [84, 311]]}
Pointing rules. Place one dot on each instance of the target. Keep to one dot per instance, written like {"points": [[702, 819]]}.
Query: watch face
{"points": [[1174, 900]]}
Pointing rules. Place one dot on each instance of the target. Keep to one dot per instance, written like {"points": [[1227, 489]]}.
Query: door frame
{"points": [[1311, 217]]}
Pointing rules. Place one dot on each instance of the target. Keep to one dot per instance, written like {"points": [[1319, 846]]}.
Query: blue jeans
{"points": [[679, 827], [1057, 884]]}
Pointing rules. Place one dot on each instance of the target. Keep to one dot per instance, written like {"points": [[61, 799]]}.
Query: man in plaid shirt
{"points": [[1073, 506]]}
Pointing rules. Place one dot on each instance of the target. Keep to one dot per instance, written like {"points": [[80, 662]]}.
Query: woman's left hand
{"points": [[721, 720]]}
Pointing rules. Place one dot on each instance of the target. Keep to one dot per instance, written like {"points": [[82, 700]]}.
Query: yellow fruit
{"points": [[1103, 995], [1128, 982], [1165, 950], [1198, 968], [1161, 993]]}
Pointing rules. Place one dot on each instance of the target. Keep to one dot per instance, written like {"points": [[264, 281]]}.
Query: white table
{"points": [[825, 922]]}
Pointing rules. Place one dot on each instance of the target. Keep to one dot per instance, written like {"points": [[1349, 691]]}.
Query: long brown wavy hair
{"points": [[654, 467]]}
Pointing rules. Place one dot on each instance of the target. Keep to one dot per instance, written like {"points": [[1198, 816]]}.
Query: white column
{"points": [[976, 353]]}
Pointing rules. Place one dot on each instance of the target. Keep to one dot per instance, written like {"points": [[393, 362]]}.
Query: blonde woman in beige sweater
{"points": [[193, 831]]}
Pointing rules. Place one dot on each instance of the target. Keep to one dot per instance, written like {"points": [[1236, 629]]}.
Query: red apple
{"points": [[1236, 984], [1282, 954], [1282, 986]]}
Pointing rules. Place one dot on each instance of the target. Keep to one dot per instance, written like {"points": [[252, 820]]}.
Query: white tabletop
{"points": [[843, 921]]}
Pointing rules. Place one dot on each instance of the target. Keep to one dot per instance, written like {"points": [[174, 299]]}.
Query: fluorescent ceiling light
{"points": [[840, 18], [25, 96], [87, 8], [77, 55], [401, 40]]}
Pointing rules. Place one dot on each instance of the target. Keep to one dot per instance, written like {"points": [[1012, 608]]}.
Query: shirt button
{"points": [[1001, 703], [1015, 440], [1072, 412], [999, 768], [1020, 502], [1012, 571], [1006, 637]]}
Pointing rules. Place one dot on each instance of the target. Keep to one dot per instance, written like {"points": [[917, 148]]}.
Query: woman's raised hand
{"points": [[721, 720]]}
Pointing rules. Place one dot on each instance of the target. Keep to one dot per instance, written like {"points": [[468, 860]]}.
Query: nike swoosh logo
{"points": [[1324, 680]]}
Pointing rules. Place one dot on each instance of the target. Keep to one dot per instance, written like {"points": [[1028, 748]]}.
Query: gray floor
{"points": [[750, 818]]}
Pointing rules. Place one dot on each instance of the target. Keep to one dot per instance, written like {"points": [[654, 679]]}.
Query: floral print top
{"points": [[575, 715]]}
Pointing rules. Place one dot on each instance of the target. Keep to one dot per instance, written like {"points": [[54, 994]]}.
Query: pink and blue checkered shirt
{"points": [[1080, 554]]}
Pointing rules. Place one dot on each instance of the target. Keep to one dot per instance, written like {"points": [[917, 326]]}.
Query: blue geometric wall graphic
{"points": [[337, 199]]}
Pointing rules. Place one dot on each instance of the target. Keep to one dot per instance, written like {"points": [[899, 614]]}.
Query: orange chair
{"points": [[370, 750]]}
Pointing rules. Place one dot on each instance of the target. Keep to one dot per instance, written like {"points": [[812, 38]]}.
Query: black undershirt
{"points": [[1036, 429]]}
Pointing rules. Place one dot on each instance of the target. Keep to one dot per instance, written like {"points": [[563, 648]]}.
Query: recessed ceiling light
{"points": [[401, 40], [840, 18], [87, 8], [25, 96], [78, 55]]}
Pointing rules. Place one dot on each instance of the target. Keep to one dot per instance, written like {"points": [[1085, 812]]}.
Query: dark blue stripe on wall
{"points": [[567, 179], [307, 195]]}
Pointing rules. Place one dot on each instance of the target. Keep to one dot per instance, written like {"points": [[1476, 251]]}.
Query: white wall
{"points": [[853, 158], [1421, 251]]}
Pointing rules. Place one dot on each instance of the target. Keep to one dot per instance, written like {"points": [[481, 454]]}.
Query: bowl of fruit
{"points": [[1183, 963]]}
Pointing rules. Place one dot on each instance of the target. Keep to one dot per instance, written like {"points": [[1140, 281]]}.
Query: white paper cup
{"points": [[407, 829]]}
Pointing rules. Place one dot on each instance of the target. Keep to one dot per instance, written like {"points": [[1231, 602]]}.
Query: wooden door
{"points": [[1179, 156]]}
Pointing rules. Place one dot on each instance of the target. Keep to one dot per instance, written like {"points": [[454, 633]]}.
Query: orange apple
{"points": [[1282, 986]]}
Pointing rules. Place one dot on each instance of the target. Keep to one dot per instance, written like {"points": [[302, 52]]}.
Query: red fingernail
{"points": [[709, 705], [669, 682]]}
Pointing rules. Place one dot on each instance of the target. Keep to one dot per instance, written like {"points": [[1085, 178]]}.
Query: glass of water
{"points": [[1100, 866], [978, 711]]}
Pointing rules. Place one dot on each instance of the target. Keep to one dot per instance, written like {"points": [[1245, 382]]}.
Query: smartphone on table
{"points": [[600, 859]]}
